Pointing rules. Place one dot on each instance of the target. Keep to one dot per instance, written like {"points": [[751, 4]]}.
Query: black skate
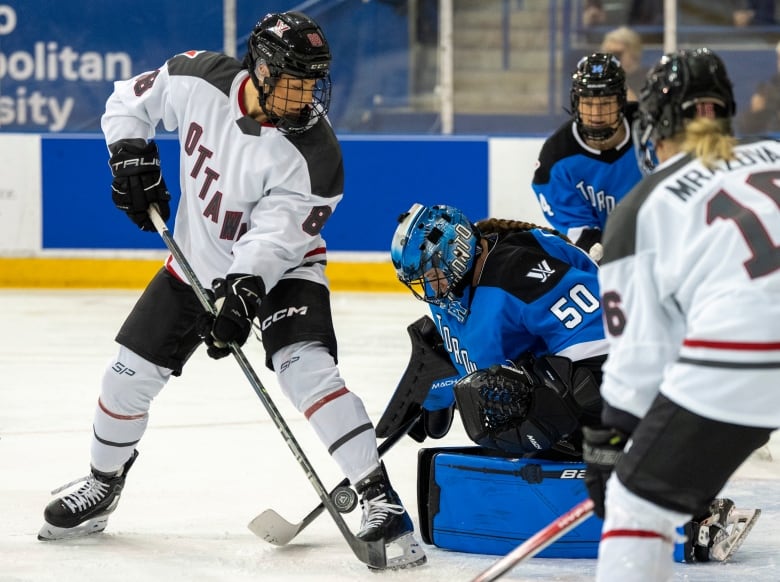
{"points": [[385, 517], [718, 534], [86, 510]]}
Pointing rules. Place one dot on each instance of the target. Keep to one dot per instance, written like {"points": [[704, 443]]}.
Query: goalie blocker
{"points": [[429, 367]]}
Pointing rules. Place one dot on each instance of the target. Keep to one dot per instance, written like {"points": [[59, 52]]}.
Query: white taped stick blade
{"points": [[273, 528]]}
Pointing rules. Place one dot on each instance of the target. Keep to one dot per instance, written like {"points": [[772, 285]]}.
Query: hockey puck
{"points": [[344, 498]]}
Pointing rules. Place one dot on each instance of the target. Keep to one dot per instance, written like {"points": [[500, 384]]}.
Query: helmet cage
{"points": [[599, 75], [433, 251], [290, 43]]}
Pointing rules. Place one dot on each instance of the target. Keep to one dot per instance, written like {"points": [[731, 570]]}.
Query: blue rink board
{"points": [[383, 177]]}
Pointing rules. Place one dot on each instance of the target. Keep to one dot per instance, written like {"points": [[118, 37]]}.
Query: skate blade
{"points": [[745, 520], [50, 533], [403, 552]]}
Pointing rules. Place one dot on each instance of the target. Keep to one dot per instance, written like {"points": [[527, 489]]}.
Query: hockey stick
{"points": [[276, 530], [539, 541], [371, 553]]}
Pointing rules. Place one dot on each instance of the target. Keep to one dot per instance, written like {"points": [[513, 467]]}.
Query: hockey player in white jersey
{"points": [[260, 171], [690, 283]]}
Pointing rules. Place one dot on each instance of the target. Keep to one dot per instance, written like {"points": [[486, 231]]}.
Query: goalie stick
{"points": [[276, 530], [370, 553], [539, 541]]}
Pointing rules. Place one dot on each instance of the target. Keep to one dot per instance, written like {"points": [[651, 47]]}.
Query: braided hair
{"points": [[500, 226]]}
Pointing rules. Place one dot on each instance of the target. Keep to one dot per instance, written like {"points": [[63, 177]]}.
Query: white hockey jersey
{"points": [[253, 199], [690, 284]]}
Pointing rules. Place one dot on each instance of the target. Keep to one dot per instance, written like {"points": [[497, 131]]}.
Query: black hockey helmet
{"points": [[598, 75], [291, 43], [681, 86]]}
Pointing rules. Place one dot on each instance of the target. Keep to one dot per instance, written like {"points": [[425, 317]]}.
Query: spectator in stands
{"points": [[593, 13], [753, 12], [764, 113], [740, 13], [646, 12], [626, 44]]}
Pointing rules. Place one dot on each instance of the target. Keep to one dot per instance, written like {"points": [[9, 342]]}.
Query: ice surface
{"points": [[211, 459]]}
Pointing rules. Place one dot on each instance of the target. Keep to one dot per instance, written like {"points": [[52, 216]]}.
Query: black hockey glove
{"points": [[237, 299], [138, 181], [601, 449]]}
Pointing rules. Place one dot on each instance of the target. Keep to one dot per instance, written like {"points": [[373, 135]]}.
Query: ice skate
{"points": [[385, 517], [86, 510], [719, 535], [728, 537]]}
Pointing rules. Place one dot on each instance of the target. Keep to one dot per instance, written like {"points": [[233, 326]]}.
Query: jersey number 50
{"points": [[569, 309]]}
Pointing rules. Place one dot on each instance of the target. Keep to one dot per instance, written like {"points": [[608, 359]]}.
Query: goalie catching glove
{"points": [[138, 181], [528, 408], [237, 300]]}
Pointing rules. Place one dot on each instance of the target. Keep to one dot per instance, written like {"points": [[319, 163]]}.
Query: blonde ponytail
{"points": [[709, 140]]}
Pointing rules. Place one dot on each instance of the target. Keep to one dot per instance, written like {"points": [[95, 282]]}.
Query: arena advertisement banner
{"points": [[58, 60]]}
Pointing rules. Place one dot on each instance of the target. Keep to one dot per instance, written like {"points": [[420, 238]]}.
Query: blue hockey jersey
{"points": [[578, 186], [536, 293]]}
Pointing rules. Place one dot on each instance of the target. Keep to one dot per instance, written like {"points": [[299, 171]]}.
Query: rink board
{"points": [[60, 229]]}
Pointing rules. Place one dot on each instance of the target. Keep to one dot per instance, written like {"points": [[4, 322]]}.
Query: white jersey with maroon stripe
{"points": [[253, 199], [690, 284]]}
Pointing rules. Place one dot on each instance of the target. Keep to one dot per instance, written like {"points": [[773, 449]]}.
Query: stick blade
{"points": [[273, 528]]}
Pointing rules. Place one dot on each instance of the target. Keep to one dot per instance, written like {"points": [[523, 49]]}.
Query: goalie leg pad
{"points": [[428, 363], [478, 501]]}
